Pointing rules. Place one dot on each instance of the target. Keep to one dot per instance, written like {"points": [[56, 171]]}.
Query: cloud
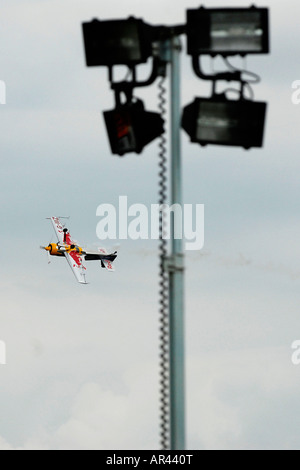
{"points": [[58, 343], [4, 445], [231, 400], [243, 400], [100, 418]]}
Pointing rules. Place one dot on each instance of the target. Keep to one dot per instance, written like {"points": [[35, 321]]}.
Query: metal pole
{"points": [[176, 266]]}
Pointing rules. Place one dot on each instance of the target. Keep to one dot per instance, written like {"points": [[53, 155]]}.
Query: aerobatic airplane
{"points": [[74, 254]]}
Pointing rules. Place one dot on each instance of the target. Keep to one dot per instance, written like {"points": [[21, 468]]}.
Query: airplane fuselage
{"points": [[58, 249]]}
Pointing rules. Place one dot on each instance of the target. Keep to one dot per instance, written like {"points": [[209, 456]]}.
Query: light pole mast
{"points": [[176, 264], [130, 128]]}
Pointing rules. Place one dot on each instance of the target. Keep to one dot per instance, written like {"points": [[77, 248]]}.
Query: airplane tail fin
{"points": [[105, 263]]}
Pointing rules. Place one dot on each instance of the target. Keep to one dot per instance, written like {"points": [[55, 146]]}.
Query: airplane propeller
{"points": [[46, 248]]}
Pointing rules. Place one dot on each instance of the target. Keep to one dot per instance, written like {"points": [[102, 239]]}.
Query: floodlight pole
{"points": [[176, 264]]}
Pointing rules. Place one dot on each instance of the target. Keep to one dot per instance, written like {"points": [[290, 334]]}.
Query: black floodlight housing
{"points": [[130, 128], [228, 31], [117, 42], [220, 121]]}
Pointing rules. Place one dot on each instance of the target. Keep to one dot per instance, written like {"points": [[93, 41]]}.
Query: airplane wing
{"points": [[58, 228], [76, 264], [74, 259]]}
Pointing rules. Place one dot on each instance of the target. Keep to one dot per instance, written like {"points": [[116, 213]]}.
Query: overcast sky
{"points": [[82, 361]]}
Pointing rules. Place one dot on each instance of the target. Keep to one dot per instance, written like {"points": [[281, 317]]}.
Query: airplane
{"points": [[74, 254]]}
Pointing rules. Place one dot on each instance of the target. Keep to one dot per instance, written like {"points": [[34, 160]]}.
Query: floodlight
{"points": [[220, 121], [117, 42], [130, 128], [227, 31]]}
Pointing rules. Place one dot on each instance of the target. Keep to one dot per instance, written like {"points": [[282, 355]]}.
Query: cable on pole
{"points": [[164, 336]]}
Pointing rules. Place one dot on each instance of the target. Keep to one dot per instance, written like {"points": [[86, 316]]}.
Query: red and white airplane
{"points": [[74, 254]]}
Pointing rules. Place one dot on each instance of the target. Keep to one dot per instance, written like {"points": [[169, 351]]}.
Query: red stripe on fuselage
{"points": [[74, 255], [68, 239]]}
